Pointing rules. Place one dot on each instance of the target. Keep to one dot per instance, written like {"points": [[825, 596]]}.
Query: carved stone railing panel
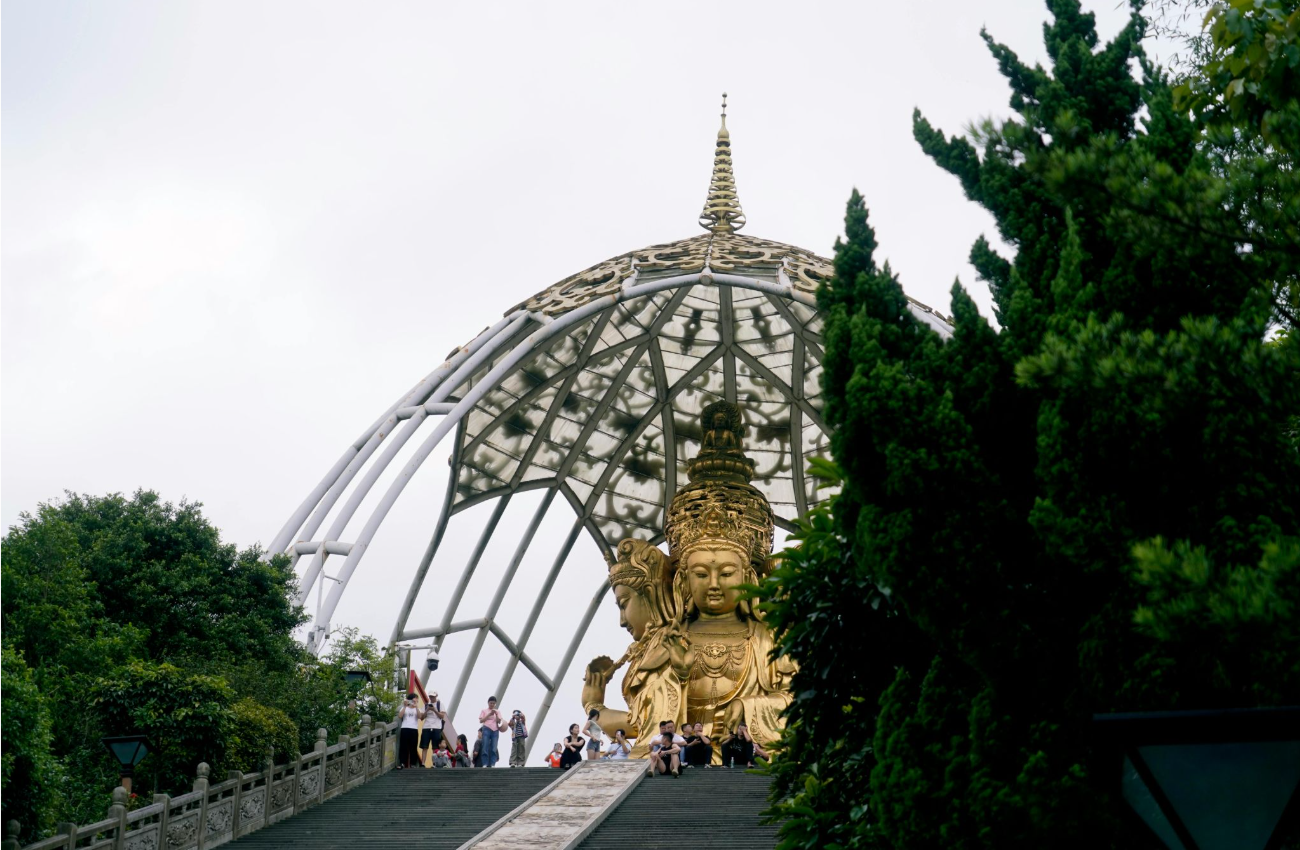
{"points": [[214, 813]]}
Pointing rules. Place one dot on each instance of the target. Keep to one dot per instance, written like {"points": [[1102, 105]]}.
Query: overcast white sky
{"points": [[234, 233]]}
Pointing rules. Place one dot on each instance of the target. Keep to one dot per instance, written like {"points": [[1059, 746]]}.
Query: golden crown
{"points": [[719, 507]]}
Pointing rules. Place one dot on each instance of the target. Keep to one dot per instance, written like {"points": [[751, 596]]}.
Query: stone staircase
{"points": [[411, 809], [715, 808], [444, 809]]}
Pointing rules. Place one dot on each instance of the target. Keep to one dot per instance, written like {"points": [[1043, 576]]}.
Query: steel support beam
{"points": [[565, 662]]}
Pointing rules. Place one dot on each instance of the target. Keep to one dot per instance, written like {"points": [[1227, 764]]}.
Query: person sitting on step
{"points": [[699, 747], [573, 744], [668, 758]]}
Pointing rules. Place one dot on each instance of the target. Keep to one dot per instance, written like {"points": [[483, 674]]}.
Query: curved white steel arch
{"points": [[497, 363]]}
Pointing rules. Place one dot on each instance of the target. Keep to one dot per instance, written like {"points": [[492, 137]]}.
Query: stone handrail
{"points": [[214, 813]]}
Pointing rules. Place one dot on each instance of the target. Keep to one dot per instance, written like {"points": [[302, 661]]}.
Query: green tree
{"points": [[255, 732], [137, 617], [30, 772], [315, 694], [186, 717], [1047, 507]]}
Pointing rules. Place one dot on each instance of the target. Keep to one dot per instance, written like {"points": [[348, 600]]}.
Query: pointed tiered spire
{"points": [[722, 212]]}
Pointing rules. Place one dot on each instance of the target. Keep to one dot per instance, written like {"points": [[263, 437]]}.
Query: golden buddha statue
{"points": [[700, 654]]}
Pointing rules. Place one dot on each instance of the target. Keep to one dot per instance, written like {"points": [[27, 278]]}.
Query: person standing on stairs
{"points": [[431, 735], [491, 722], [595, 735], [409, 716], [518, 737]]}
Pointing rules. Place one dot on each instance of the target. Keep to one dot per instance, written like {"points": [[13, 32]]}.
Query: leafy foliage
{"points": [[137, 618], [1251, 73], [1055, 518], [257, 733], [29, 770], [184, 715]]}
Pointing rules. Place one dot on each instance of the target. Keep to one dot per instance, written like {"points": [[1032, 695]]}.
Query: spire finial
{"points": [[722, 212]]}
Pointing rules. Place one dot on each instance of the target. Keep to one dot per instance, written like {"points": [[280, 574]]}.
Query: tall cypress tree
{"points": [[1094, 507]]}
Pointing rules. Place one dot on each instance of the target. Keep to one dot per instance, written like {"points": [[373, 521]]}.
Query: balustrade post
{"points": [[165, 801], [235, 814], [11, 835], [299, 761], [365, 748], [321, 746], [117, 812], [201, 786], [69, 829]]}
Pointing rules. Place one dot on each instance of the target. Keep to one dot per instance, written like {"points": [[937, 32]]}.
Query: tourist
{"points": [[409, 716], [678, 740], [478, 750], [442, 756], [460, 758], [573, 743], [738, 747], [699, 747], [431, 736], [667, 759], [690, 741], [490, 721], [518, 737], [595, 735], [619, 748], [655, 744], [554, 756]]}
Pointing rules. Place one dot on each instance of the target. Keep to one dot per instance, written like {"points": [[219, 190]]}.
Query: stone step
{"points": [[718, 808], [433, 809]]}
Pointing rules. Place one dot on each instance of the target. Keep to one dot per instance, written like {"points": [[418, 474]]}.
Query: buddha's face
{"points": [[634, 612], [713, 577]]}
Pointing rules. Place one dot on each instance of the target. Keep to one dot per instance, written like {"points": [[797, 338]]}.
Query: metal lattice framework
{"points": [[591, 390]]}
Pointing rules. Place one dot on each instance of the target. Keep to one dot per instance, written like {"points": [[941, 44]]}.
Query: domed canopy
{"points": [[592, 390], [607, 411]]}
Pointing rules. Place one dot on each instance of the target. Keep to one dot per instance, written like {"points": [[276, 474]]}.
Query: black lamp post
{"points": [[129, 750], [356, 680], [1209, 780]]}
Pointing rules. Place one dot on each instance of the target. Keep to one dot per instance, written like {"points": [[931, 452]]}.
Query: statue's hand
{"points": [[735, 714], [678, 644], [595, 679]]}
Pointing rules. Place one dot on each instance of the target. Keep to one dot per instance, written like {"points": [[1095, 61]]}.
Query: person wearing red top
{"points": [[460, 758], [553, 757]]}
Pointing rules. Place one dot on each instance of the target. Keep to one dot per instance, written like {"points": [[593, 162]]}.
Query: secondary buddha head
{"points": [[719, 526], [641, 580]]}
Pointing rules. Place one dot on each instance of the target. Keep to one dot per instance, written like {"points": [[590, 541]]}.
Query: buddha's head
{"points": [[640, 581]]}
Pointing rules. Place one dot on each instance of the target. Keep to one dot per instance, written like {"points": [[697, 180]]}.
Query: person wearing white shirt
{"points": [[409, 715], [619, 748]]}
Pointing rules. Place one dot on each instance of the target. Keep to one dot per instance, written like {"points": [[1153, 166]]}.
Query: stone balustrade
{"points": [[216, 812]]}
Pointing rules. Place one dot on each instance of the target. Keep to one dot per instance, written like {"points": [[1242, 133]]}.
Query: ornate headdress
{"points": [[644, 568], [720, 508]]}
